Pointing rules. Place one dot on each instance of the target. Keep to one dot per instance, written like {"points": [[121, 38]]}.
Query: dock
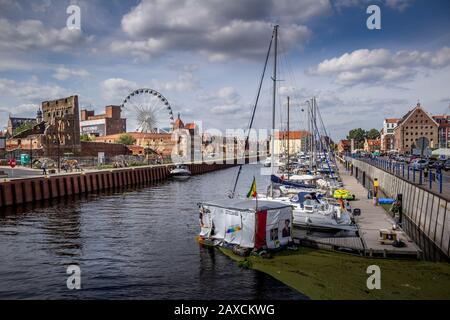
{"points": [[372, 219]]}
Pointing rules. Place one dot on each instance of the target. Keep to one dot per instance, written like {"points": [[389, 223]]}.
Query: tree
{"points": [[358, 135], [126, 139], [373, 134], [23, 127], [86, 138]]}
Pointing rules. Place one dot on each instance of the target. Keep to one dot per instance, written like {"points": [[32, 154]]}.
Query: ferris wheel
{"points": [[149, 111]]}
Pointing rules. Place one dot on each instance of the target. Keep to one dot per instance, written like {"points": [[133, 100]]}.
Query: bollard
{"points": [[420, 176], [408, 173], [440, 183], [430, 178], [414, 174], [400, 209], [403, 170]]}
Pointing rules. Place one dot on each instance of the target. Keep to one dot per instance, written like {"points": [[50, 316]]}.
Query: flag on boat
{"points": [[252, 192]]}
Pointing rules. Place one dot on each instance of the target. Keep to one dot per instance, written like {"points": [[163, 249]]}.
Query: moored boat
{"points": [[181, 172]]}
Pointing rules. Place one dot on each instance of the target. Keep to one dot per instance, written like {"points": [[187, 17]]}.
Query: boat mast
{"points": [[274, 79], [310, 146], [289, 137], [313, 122]]}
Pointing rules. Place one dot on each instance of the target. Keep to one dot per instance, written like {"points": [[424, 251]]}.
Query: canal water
{"points": [[130, 244]]}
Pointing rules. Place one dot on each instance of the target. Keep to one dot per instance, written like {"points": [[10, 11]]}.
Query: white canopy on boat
{"points": [[303, 177], [247, 223], [441, 152]]}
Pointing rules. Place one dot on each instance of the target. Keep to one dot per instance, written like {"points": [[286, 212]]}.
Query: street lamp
{"points": [[58, 143], [31, 152], [148, 153]]}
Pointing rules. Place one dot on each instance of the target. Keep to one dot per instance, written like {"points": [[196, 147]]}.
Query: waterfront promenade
{"points": [[372, 219]]}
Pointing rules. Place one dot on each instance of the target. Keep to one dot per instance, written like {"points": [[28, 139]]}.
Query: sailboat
{"points": [[248, 223], [318, 212]]}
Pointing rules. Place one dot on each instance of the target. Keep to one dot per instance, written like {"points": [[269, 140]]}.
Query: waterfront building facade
{"points": [[62, 126], [298, 142], [416, 130], [15, 123], [387, 134], [372, 145], [344, 147], [106, 124], [160, 143], [443, 130]]}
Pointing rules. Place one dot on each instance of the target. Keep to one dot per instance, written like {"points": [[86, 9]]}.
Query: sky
{"points": [[206, 57]]}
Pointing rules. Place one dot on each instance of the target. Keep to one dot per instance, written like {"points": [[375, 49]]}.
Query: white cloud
{"points": [[218, 29], [225, 109], [399, 5], [63, 73], [223, 96], [27, 35], [381, 65], [31, 91], [184, 82], [116, 89]]}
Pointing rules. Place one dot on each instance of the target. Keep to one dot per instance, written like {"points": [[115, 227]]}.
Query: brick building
{"points": [[444, 130], [62, 126], [372, 145], [14, 123], [413, 126], [2, 143], [92, 149], [344, 147], [105, 124], [160, 143]]}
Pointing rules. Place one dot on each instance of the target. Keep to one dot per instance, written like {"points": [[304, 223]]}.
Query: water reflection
{"points": [[129, 244]]}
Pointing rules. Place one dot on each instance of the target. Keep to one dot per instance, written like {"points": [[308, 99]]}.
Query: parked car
{"points": [[410, 159], [447, 165], [436, 164], [419, 164]]}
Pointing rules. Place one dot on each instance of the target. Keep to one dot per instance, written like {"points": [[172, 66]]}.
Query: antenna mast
{"points": [[274, 78]]}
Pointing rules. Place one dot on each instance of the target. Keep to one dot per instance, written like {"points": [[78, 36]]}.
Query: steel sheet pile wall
{"points": [[20, 191], [428, 212]]}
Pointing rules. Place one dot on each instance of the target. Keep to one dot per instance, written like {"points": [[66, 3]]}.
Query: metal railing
{"points": [[432, 179]]}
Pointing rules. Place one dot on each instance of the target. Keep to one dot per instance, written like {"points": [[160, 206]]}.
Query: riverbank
{"points": [[40, 188], [324, 275]]}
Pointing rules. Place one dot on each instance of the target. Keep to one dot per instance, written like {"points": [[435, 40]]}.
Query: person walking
{"points": [[376, 185], [44, 168]]}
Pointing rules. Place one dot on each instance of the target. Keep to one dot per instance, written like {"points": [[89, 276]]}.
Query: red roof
{"points": [[178, 124], [281, 135], [190, 126], [373, 142], [392, 120]]}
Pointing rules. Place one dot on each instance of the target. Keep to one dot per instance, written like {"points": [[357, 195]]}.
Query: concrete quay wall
{"points": [[28, 190]]}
